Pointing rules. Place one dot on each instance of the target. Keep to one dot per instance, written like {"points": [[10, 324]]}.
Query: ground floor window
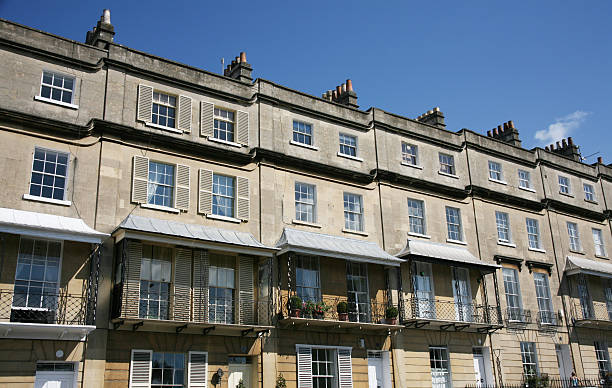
{"points": [[323, 368], [440, 370], [529, 358], [168, 370], [603, 358]]}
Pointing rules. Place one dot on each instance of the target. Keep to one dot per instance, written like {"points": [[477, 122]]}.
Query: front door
{"points": [[564, 361], [375, 373], [462, 294], [479, 368], [424, 291], [239, 372]]}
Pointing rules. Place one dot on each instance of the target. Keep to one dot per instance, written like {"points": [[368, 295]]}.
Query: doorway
{"points": [[379, 370], [239, 368], [55, 375], [564, 360], [483, 374]]}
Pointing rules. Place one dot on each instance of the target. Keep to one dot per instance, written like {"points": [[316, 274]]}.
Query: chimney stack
{"points": [[343, 94], [506, 133], [239, 69], [567, 148], [103, 33], [433, 117]]}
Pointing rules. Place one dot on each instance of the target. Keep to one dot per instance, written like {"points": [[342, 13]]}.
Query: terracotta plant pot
{"points": [[343, 316], [295, 313], [391, 321]]}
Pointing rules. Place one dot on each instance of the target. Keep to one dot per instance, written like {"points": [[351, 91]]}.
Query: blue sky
{"points": [[544, 65]]}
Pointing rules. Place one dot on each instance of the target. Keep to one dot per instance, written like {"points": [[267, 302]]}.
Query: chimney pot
{"points": [[570, 141], [349, 85], [436, 109], [505, 126], [558, 145], [599, 160], [499, 129], [334, 95], [489, 133], [338, 90], [511, 124], [495, 132], [564, 143], [243, 57], [552, 147], [546, 148], [343, 88], [106, 16]]}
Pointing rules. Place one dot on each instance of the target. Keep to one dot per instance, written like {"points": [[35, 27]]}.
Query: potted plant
{"points": [[295, 306], [280, 381], [342, 309], [240, 384], [320, 309], [391, 315], [309, 309]]}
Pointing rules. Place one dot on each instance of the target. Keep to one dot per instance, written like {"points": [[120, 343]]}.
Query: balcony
{"points": [[445, 314], [45, 316], [369, 316], [593, 314], [178, 313]]}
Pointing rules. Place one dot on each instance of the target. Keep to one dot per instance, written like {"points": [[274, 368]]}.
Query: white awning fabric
{"points": [[198, 236], [575, 265], [310, 243], [443, 252], [48, 226]]}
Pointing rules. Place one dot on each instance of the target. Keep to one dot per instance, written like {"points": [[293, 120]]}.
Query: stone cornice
{"points": [[395, 178], [482, 192], [572, 209]]}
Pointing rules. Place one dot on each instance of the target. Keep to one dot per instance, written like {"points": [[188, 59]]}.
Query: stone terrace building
{"points": [[162, 225]]}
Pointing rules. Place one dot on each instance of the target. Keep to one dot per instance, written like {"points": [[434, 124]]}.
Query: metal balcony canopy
{"points": [[198, 236], [575, 265], [444, 252], [310, 243], [48, 226]]}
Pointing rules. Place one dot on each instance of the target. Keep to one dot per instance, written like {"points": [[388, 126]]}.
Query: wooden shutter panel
{"points": [[184, 113], [207, 120], [145, 103], [198, 370], [140, 369], [205, 191], [243, 212], [345, 370], [242, 126], [247, 300], [140, 179], [200, 286], [304, 367], [182, 187], [131, 288], [182, 285]]}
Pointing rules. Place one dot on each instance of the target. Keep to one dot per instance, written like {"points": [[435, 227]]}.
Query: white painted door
{"points": [[54, 380], [479, 370], [564, 361], [238, 372], [424, 290], [375, 373]]}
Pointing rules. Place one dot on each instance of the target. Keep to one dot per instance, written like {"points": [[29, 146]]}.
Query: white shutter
{"points": [[205, 191], [182, 285], [140, 368], [345, 370], [184, 113], [242, 125], [198, 370], [131, 288], [245, 275], [140, 179], [200, 286], [145, 103], [182, 187], [304, 366], [207, 120], [243, 212], [386, 369]]}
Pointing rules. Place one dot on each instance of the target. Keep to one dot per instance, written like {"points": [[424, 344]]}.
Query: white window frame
{"points": [[407, 156], [185, 369], [312, 205], [502, 222], [443, 371], [355, 147], [602, 356], [359, 214], [331, 356], [220, 118], [149, 182], [525, 180], [223, 196], [308, 263], [447, 164], [420, 218], [40, 97], [543, 298], [589, 194], [229, 309], [511, 296], [306, 135], [600, 248], [41, 198], [495, 172], [574, 237], [529, 349], [168, 106], [565, 187], [458, 225], [533, 231]]}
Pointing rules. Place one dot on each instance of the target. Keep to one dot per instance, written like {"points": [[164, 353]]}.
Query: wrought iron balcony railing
{"points": [[592, 311], [517, 316], [449, 310], [47, 308], [326, 308]]}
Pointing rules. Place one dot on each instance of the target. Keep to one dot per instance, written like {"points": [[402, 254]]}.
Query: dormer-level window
{"points": [[589, 192], [410, 154], [164, 110], [447, 164], [49, 174], [224, 125], [564, 185], [524, 179], [57, 87], [495, 171], [348, 145], [302, 133]]}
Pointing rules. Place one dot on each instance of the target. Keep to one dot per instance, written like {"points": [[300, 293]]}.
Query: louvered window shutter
{"points": [[140, 369], [182, 285], [198, 370], [145, 103], [184, 113], [131, 288], [245, 273], [182, 187], [243, 198], [200, 286], [205, 191], [304, 367], [140, 179], [345, 370], [207, 119], [243, 128]]}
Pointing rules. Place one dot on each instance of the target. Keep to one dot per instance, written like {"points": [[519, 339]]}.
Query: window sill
{"points": [[591, 201], [350, 157], [567, 194], [310, 147], [448, 240], [229, 143], [418, 235], [223, 218], [498, 181], [412, 165], [158, 207], [306, 223], [602, 257], [536, 250], [506, 244], [60, 103], [448, 175], [357, 232], [29, 197], [170, 129], [527, 189], [578, 252]]}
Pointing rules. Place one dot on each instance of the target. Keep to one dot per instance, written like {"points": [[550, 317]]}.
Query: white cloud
{"points": [[561, 128]]}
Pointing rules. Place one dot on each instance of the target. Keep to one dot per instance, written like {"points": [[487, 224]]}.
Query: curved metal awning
{"points": [[49, 226], [575, 265], [310, 243], [431, 251]]}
